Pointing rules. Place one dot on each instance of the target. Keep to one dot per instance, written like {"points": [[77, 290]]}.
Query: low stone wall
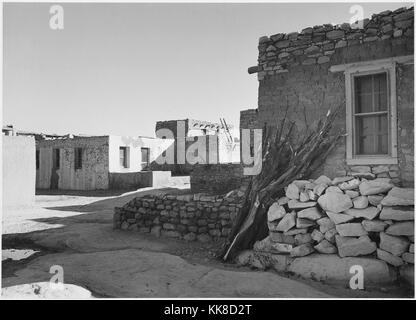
{"points": [[351, 216], [217, 178], [189, 217]]}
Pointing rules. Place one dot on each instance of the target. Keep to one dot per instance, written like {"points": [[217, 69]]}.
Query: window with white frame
{"points": [[371, 115]]}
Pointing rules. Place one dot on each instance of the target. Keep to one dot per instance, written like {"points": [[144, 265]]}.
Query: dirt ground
{"points": [[74, 230]]}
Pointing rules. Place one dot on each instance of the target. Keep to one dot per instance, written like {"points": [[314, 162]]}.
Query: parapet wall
{"points": [[189, 217], [316, 45]]}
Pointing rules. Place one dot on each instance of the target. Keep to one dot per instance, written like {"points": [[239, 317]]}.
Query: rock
{"points": [[397, 214], [282, 238], [332, 268], [322, 180], [279, 262], [352, 194], [374, 225], [375, 200], [389, 258], [275, 212], [203, 238], [189, 236], [281, 247], [124, 225], [352, 247], [408, 257], [301, 183], [361, 169], [338, 218], [380, 169], [287, 222], [156, 231], [333, 189], [350, 185], [303, 238], [292, 191], [283, 200], [330, 235], [407, 274], [360, 202], [304, 223], [339, 180], [302, 250], [294, 204], [374, 187], [244, 258], [295, 232], [263, 245], [320, 188], [393, 244], [366, 175], [368, 213], [412, 248], [317, 235], [325, 247], [312, 196], [351, 230], [399, 197], [335, 202], [325, 224], [401, 229], [310, 213], [303, 197]]}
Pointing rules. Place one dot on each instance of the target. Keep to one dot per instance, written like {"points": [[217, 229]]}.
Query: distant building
{"points": [[18, 169], [98, 162]]}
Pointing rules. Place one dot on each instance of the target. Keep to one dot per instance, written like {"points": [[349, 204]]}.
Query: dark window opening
{"points": [[78, 158], [57, 158], [37, 159], [124, 157], [145, 158], [371, 125]]}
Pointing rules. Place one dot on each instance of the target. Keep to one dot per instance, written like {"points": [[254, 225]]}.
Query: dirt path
{"points": [[76, 233]]}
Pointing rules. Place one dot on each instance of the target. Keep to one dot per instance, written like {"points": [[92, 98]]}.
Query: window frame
{"points": [[37, 159], [126, 157], [388, 67]]}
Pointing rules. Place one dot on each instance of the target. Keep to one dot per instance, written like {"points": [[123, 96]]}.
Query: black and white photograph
{"points": [[225, 152]]}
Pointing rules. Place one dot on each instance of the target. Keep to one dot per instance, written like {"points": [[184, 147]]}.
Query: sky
{"points": [[119, 68]]}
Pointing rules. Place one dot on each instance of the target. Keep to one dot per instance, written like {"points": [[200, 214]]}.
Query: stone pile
{"points": [[189, 217], [355, 215]]}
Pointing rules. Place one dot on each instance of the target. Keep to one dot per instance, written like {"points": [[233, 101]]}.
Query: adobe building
{"points": [[366, 69], [18, 178], [98, 162], [225, 148]]}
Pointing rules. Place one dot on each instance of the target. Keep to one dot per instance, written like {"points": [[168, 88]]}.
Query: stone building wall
{"points": [[217, 179], [189, 217], [294, 73]]}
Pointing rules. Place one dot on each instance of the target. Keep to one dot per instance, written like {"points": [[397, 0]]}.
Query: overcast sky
{"points": [[119, 68]]}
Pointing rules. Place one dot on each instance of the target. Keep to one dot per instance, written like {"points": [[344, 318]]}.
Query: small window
{"points": [[78, 158], [371, 125], [124, 157], [145, 157], [37, 159], [57, 158]]}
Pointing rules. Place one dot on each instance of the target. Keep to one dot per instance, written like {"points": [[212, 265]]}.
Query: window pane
{"points": [[363, 94], [371, 93], [122, 156], [371, 134]]}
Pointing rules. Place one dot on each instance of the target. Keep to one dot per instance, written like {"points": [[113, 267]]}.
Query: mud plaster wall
{"points": [[95, 159], [309, 89], [18, 181]]}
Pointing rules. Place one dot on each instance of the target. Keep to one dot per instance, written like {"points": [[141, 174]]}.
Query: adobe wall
{"points": [[18, 171], [293, 72]]}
